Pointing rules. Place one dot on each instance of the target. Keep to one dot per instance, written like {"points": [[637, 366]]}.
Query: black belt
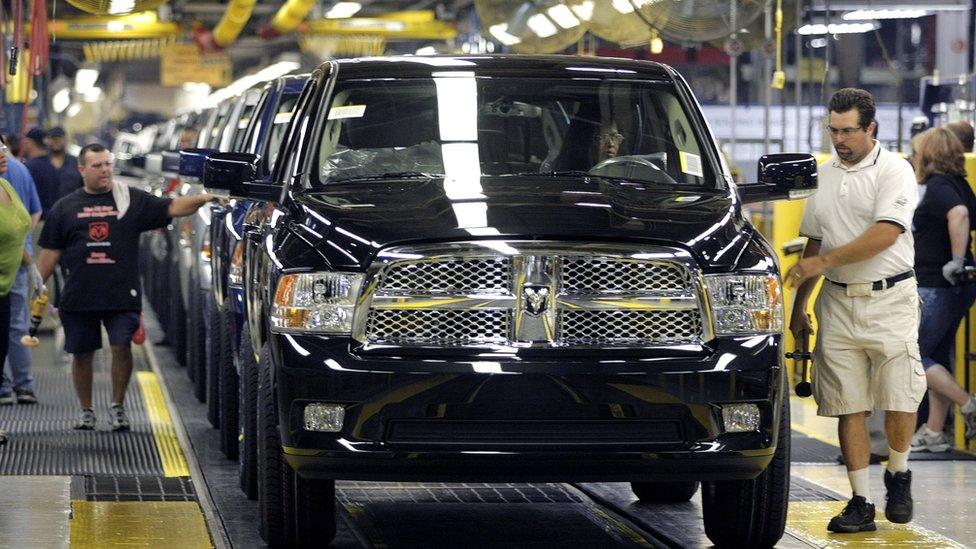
{"points": [[882, 284]]}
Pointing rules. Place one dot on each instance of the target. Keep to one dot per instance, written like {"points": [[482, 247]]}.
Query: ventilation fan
{"points": [[616, 20], [531, 26], [115, 7], [698, 21]]}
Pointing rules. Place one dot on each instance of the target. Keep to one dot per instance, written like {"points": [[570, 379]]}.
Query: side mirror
{"points": [[234, 174], [191, 161], [783, 175], [171, 161]]}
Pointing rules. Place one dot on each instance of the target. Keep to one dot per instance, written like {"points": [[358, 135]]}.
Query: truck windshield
{"points": [[462, 126]]}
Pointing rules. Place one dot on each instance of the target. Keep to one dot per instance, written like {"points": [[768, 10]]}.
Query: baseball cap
{"points": [[56, 131], [36, 134]]}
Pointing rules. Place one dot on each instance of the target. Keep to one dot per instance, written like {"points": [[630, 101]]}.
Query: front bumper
{"points": [[603, 417]]}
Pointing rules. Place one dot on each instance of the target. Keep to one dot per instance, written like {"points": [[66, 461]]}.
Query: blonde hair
{"points": [[938, 151]]}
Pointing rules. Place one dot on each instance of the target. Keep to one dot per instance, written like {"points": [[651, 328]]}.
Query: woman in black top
{"points": [[944, 219]]}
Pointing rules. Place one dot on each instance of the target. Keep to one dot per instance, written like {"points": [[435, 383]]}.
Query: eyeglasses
{"points": [[608, 137], [844, 132]]}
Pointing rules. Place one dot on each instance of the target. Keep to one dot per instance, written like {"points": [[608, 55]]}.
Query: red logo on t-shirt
{"points": [[98, 230]]}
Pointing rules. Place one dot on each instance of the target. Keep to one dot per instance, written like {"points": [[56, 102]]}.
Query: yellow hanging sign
{"points": [[183, 63]]}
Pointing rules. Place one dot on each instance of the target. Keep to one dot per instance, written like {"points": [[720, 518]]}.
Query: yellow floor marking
{"points": [[808, 520], [167, 444], [804, 419], [627, 531], [100, 524]]}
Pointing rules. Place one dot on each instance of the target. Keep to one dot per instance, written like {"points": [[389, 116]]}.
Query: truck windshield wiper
{"points": [[388, 175], [554, 174]]}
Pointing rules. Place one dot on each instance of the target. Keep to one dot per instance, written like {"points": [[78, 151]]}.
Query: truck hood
{"points": [[348, 223]]}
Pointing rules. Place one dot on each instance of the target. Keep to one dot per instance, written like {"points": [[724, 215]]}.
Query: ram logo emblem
{"points": [[535, 299]]}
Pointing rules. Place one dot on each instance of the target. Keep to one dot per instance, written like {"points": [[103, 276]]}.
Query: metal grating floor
{"points": [[42, 441], [138, 488]]}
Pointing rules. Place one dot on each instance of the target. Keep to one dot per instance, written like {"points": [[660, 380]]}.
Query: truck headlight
{"points": [[745, 303], [315, 302]]}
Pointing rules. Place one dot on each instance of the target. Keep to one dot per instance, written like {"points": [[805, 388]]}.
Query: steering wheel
{"points": [[631, 167]]}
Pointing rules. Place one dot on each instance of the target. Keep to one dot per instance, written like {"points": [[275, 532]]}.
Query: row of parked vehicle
{"points": [[501, 268]]}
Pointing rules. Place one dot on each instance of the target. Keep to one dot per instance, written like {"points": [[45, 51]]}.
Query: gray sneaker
{"points": [[7, 399], [120, 422], [970, 420], [87, 421], [924, 442]]}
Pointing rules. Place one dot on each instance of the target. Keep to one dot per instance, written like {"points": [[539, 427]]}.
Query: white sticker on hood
{"points": [[691, 164], [347, 111]]}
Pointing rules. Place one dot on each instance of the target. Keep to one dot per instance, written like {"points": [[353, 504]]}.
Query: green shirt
{"points": [[14, 224]]}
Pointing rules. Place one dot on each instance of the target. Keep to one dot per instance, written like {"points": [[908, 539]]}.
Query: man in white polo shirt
{"points": [[866, 356]]}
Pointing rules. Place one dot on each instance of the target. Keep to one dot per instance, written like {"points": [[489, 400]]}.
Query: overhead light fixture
{"points": [[656, 45], [342, 10], [119, 7], [500, 33], [868, 15], [61, 100], [85, 79], [584, 10], [563, 16], [839, 28], [542, 25], [623, 6], [74, 109]]}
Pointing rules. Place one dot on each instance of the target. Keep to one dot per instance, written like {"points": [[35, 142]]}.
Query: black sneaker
{"points": [[898, 506], [25, 396], [7, 399], [857, 516]]}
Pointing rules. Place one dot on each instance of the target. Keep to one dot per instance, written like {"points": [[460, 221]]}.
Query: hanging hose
{"points": [[17, 9], [3, 47], [779, 77], [38, 47]]}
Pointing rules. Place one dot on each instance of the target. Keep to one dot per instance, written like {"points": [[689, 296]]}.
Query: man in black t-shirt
{"points": [[94, 233]]}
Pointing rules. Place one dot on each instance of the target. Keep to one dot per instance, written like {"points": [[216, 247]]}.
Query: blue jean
{"points": [[18, 365], [942, 311]]}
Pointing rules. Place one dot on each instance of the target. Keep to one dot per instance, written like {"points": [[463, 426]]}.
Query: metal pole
{"points": [[733, 80], [767, 73], [797, 57], [902, 65]]}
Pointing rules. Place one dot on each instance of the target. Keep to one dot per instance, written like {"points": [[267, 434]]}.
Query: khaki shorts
{"points": [[866, 356]]}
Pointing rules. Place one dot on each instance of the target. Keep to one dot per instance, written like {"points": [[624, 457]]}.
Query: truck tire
{"points": [[177, 318], [196, 352], [214, 342], [247, 450], [752, 513], [315, 508], [664, 492], [227, 385], [275, 478]]}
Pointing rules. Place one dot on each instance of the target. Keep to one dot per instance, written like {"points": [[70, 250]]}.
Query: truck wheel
{"points": [[315, 508], [177, 318], [664, 492], [228, 385], [247, 450], [196, 352], [275, 478], [214, 341], [752, 513]]}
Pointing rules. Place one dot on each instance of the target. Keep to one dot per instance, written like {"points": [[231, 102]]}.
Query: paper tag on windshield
{"points": [[691, 164], [347, 111]]}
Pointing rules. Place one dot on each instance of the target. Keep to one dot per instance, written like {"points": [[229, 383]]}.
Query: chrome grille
{"points": [[448, 275], [487, 294], [438, 327], [606, 275], [615, 326]]}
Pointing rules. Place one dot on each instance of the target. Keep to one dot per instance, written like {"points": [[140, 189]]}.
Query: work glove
{"points": [[951, 270], [36, 281]]}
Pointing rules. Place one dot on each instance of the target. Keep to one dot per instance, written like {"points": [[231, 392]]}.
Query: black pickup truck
{"points": [[514, 268]]}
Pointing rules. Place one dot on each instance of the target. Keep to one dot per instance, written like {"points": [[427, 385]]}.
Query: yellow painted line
{"points": [[164, 434], [365, 524], [804, 419], [808, 520], [630, 533], [98, 524]]}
